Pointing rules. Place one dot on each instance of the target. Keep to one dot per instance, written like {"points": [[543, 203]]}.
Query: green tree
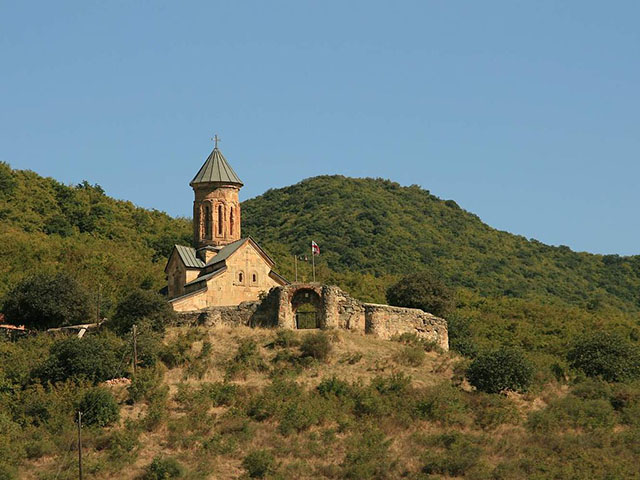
{"points": [[99, 408], [45, 301], [138, 306], [421, 290], [610, 356], [94, 358], [498, 370]]}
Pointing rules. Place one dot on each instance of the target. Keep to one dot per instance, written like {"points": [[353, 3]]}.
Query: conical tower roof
{"points": [[216, 170]]}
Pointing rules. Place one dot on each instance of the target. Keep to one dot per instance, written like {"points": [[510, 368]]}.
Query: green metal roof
{"points": [[207, 276], [216, 170], [227, 251], [188, 256]]}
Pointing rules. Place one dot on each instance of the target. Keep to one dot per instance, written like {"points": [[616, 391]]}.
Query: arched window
{"points": [[220, 219], [231, 221], [207, 221], [240, 277], [254, 278]]}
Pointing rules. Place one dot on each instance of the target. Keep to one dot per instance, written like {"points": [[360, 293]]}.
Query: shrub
{"points": [[411, 356], [316, 345], [163, 468], [498, 370], [259, 463], [143, 383], [99, 408], [460, 456], [285, 338], [445, 404], [141, 305], [92, 358], [247, 358], [46, 301], [333, 386], [572, 412], [122, 444], [368, 456], [606, 355], [460, 336], [421, 290]]}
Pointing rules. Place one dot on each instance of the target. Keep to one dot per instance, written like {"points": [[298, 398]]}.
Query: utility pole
{"points": [[99, 301], [135, 349], [80, 445]]}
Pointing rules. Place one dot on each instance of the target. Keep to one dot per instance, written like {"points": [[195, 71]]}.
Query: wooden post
{"points": [[135, 349], [80, 445]]}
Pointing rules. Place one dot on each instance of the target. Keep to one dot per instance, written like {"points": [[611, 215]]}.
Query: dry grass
{"points": [[304, 455]]}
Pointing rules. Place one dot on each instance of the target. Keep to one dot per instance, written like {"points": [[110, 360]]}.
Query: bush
{"points": [[460, 336], [411, 356], [316, 345], [259, 463], [99, 408], [142, 305], [286, 338], [572, 412], [47, 301], [424, 291], [143, 383], [445, 404], [368, 457], [333, 386], [92, 358], [606, 355], [498, 370], [247, 358], [163, 468], [460, 456]]}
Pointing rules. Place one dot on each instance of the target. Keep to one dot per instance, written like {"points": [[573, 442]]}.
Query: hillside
{"points": [[232, 403], [377, 227], [47, 226]]}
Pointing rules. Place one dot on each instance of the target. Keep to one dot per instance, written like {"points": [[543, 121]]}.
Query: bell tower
{"points": [[216, 208]]}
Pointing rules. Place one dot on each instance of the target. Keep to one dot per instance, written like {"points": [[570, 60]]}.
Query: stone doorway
{"points": [[306, 305]]}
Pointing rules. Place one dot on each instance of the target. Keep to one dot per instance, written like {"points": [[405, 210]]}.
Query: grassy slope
{"points": [[478, 435]]}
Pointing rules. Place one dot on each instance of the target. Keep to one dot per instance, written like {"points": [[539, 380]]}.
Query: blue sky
{"points": [[525, 113]]}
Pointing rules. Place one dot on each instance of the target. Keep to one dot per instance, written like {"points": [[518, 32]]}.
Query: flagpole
{"points": [[313, 263]]}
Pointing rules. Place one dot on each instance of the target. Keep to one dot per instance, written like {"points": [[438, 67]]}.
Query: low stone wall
{"points": [[385, 321], [336, 309], [231, 316]]}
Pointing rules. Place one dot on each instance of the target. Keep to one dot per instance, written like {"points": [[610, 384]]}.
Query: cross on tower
{"points": [[216, 139]]}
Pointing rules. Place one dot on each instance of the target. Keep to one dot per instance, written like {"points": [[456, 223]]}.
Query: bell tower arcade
{"points": [[216, 207]]}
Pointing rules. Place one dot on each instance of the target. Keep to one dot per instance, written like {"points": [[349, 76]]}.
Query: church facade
{"points": [[221, 268]]}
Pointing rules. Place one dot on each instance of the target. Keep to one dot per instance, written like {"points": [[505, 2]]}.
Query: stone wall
{"points": [[336, 309], [385, 321]]}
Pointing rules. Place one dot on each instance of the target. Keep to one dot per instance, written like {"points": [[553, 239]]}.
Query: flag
{"points": [[315, 249]]}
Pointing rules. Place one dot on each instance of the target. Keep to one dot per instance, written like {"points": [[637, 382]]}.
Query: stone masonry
{"points": [[335, 309]]}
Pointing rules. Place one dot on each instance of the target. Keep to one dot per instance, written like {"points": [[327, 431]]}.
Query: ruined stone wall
{"points": [[336, 310], [385, 321]]}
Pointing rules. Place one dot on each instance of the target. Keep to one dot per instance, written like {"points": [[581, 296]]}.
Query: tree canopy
{"points": [[46, 301]]}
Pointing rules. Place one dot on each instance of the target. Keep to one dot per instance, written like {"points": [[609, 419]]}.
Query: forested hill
{"points": [[46, 226], [371, 231], [377, 226]]}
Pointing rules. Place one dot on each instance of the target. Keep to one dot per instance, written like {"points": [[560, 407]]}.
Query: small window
{"points": [[220, 219], [240, 277], [254, 278]]}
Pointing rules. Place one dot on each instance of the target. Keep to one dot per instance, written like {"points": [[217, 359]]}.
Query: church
{"points": [[221, 268]]}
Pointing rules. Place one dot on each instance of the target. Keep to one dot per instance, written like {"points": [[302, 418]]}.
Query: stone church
{"points": [[221, 268]]}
